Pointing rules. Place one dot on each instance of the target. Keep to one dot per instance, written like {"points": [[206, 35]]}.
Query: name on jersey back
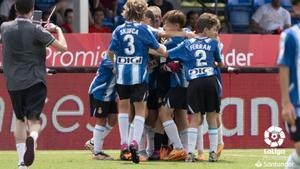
{"points": [[200, 46], [129, 31]]}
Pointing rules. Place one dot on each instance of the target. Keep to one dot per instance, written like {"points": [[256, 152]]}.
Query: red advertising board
{"points": [[250, 105], [239, 50]]}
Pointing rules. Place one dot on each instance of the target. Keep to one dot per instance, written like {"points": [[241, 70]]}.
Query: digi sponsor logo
{"points": [[129, 60], [200, 71]]}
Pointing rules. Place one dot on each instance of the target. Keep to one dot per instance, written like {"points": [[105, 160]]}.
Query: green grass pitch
{"points": [[230, 159]]}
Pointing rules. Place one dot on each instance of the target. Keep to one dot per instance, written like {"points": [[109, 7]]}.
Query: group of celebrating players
{"points": [[149, 88]]}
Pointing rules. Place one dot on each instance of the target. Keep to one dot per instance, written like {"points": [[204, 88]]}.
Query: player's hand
{"points": [[51, 27], [288, 113]]}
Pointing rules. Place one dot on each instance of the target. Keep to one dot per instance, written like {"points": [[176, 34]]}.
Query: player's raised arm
{"points": [[168, 34], [113, 46], [161, 51], [59, 43], [218, 56]]}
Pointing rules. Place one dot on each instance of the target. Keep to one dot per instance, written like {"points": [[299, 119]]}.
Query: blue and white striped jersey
{"points": [[198, 56], [103, 85], [131, 42], [289, 55], [178, 78]]}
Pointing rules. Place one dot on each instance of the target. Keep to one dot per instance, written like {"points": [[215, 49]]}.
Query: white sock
{"points": [[130, 135], [213, 139], [108, 129], [296, 157], [34, 135], [21, 151], [184, 138], [192, 139], [150, 138], [123, 127], [172, 132], [98, 138], [220, 135], [293, 161], [138, 122], [200, 143], [92, 139], [142, 143]]}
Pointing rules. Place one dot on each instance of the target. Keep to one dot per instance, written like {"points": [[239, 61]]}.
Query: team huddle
{"points": [[150, 80], [158, 84]]}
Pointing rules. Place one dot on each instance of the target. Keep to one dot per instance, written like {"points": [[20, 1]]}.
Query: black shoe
{"points": [[190, 157], [125, 155], [212, 157], [29, 154], [134, 153]]}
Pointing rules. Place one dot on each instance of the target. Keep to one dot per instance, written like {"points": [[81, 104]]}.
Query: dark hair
{"points": [[295, 2], [67, 11], [190, 13], [175, 16], [97, 10], [207, 20], [12, 13], [24, 6]]}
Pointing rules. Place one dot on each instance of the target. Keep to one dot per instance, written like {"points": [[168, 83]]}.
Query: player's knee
{"points": [[211, 121], [101, 121], [20, 136], [34, 125], [195, 120], [112, 120], [124, 106], [164, 115]]}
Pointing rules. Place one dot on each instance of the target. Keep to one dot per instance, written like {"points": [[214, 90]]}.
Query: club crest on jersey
{"points": [[130, 60]]}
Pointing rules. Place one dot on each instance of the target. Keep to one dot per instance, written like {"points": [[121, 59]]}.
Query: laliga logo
{"points": [[274, 136]]}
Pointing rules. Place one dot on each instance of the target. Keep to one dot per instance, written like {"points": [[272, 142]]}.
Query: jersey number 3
{"points": [[130, 43]]}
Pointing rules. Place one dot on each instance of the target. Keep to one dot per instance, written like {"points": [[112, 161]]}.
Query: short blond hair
{"points": [[134, 9], [156, 10], [208, 20], [175, 17]]}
